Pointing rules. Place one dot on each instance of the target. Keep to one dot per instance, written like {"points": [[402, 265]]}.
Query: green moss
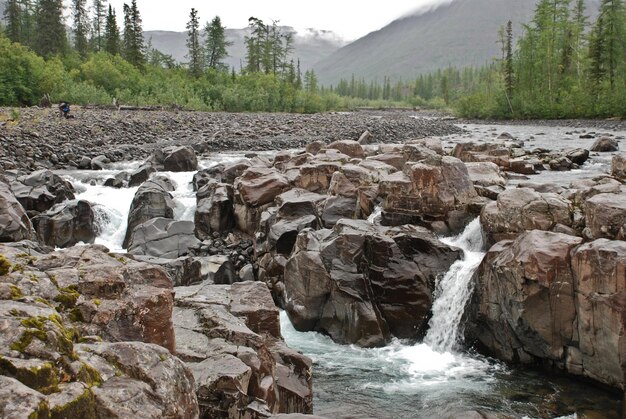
{"points": [[34, 278], [53, 279], [18, 267], [84, 407], [36, 328], [43, 301], [26, 339], [122, 260], [97, 302], [5, 265], [16, 293], [42, 412], [67, 297], [75, 315], [28, 259], [89, 375]]}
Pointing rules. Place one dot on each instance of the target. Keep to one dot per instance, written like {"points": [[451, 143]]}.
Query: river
{"points": [[439, 377]]}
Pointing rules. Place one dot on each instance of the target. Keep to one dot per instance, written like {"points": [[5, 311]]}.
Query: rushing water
{"points": [[435, 379]]}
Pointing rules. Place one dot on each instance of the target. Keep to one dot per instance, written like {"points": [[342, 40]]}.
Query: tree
{"points": [[13, 19], [216, 44], [50, 38], [98, 26], [80, 27], [133, 44], [111, 33], [194, 54], [508, 62]]}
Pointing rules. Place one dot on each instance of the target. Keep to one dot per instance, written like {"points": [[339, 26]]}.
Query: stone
{"points": [[348, 147], [100, 162], [560, 164], [163, 238], [336, 208], [214, 210], [485, 174], [363, 284], [140, 175], [365, 138], [259, 186], [14, 223], [314, 147], [66, 224], [605, 216], [177, 159], [578, 156], [522, 209], [524, 304], [618, 167], [152, 200], [605, 145], [41, 190]]}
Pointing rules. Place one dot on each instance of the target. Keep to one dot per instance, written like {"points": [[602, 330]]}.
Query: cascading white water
{"points": [[454, 289], [376, 215]]}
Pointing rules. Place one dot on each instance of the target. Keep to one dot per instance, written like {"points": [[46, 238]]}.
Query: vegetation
{"points": [[562, 66]]}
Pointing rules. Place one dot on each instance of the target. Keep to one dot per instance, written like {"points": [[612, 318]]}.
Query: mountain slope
{"points": [[310, 45], [462, 33]]}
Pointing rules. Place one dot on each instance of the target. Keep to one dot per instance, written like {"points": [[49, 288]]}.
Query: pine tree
{"points": [[80, 27], [50, 38], [98, 26], [216, 44], [27, 10], [13, 19], [111, 33], [508, 61], [133, 44], [255, 45], [195, 54]]}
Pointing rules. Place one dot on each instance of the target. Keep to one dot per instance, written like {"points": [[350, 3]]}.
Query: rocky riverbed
{"points": [[40, 139], [341, 226]]}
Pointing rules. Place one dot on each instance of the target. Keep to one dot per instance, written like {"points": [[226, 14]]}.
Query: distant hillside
{"points": [[462, 33], [310, 45]]}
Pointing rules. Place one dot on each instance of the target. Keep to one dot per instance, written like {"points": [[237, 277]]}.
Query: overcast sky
{"points": [[350, 19]]}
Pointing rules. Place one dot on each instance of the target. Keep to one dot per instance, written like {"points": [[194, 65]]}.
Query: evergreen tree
{"points": [[133, 44], [98, 26], [255, 45], [80, 27], [111, 33], [216, 44], [13, 19], [50, 38], [608, 41], [195, 53], [508, 61], [27, 10]]}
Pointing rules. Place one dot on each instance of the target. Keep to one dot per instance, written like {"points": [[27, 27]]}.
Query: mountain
{"points": [[459, 33], [310, 45]]}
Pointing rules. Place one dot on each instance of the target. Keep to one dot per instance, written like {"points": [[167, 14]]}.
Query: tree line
{"points": [[101, 59]]}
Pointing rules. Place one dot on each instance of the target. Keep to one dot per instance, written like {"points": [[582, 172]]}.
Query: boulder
{"points": [[605, 145], [229, 335], [363, 284], [66, 224], [416, 152], [140, 175], [315, 176], [578, 156], [546, 298], [618, 167], [605, 216], [348, 147], [99, 162], [523, 307], [41, 190], [163, 238], [176, 159], [314, 147], [152, 200], [485, 174], [14, 223], [522, 209], [259, 186], [336, 208], [214, 210], [205, 176], [118, 181], [560, 164], [599, 270]]}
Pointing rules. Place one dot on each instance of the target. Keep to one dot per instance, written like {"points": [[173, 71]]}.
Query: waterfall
{"points": [[454, 290]]}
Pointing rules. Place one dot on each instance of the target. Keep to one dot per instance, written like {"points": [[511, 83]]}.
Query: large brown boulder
{"points": [[522, 209], [41, 190], [163, 238], [605, 145], [14, 223], [349, 148], [230, 338], [66, 224], [153, 199], [605, 216], [524, 304], [599, 270], [618, 167], [175, 159], [363, 284], [435, 190], [214, 210], [259, 186]]}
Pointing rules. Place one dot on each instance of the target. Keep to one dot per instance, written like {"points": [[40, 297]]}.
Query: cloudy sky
{"points": [[350, 19]]}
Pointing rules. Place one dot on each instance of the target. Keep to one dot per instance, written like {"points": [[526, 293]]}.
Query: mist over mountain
{"points": [[310, 45], [457, 33]]}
